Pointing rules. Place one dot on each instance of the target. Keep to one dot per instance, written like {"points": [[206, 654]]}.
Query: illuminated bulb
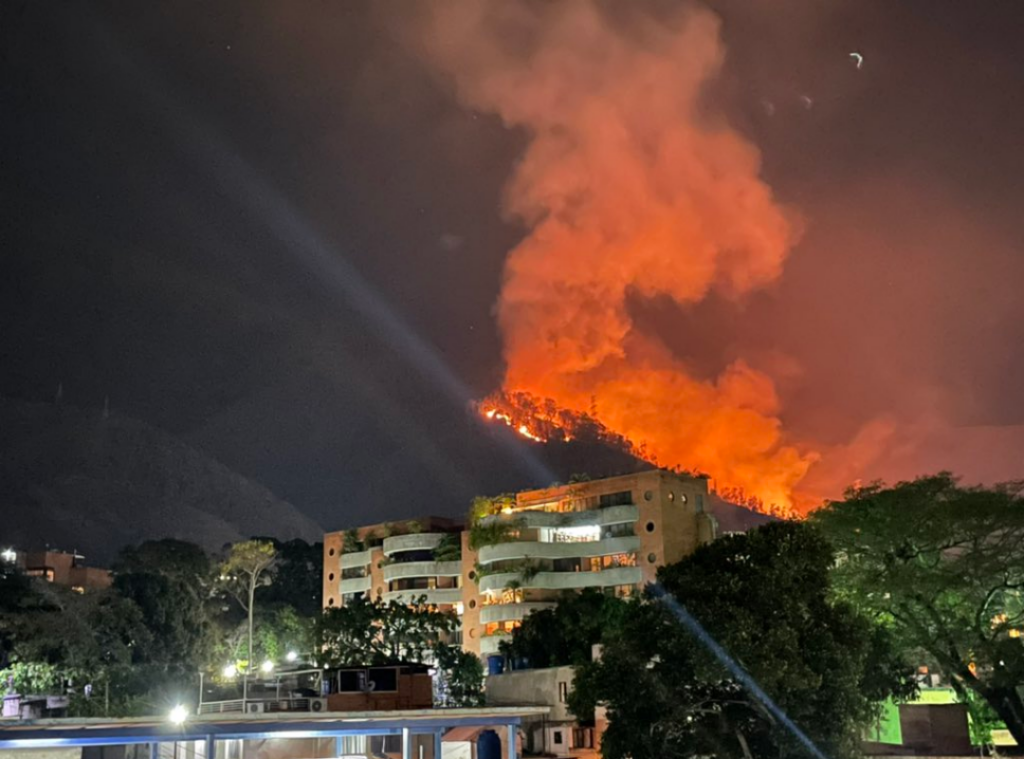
{"points": [[9, 555], [267, 666], [229, 671], [291, 656], [178, 714]]}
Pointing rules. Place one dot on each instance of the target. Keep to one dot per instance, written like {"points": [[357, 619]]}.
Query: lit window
{"points": [[563, 692]]}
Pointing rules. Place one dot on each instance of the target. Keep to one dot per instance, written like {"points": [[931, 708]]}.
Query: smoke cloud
{"points": [[630, 186]]}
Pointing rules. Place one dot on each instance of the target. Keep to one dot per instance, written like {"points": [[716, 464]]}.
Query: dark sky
{"points": [[270, 229]]}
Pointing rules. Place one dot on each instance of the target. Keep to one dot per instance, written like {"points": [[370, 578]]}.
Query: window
{"points": [[383, 679], [652, 558], [649, 527], [330, 601], [563, 692], [622, 498], [682, 498], [330, 552], [330, 577], [700, 503], [472, 603], [671, 496], [648, 495], [556, 737]]}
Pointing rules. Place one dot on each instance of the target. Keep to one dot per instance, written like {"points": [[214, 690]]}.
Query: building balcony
{"points": [[489, 643], [536, 550], [600, 517], [420, 541], [565, 580], [355, 585], [436, 597], [410, 569], [355, 559], [506, 612]]}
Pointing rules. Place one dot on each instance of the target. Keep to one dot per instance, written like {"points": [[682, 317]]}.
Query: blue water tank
{"points": [[488, 745], [495, 665]]}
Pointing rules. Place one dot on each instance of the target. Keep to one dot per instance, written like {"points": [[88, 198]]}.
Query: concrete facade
{"points": [[66, 569], [555, 733], [609, 534]]}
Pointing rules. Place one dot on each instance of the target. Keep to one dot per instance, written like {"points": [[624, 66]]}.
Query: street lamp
{"points": [[178, 715], [9, 555], [291, 656], [267, 667], [229, 671]]}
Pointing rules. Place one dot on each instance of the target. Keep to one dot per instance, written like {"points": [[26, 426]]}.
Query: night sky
{"points": [[271, 229]]}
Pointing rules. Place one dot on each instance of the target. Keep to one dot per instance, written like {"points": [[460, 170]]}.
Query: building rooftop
{"points": [[134, 730]]}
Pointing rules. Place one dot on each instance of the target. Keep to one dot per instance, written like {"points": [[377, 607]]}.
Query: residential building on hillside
{"points": [[395, 561], [60, 568], [522, 552]]}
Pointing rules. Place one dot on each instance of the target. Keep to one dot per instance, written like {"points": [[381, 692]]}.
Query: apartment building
{"points": [[396, 561], [610, 534], [522, 552], [60, 568]]}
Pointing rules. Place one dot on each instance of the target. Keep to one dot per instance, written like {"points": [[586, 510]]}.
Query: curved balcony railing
{"points": [[505, 612], [599, 516], [405, 570], [355, 585], [565, 580], [420, 541], [355, 559], [438, 597], [534, 550]]}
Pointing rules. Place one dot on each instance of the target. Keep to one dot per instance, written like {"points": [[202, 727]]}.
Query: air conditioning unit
{"points": [[318, 704], [255, 707]]}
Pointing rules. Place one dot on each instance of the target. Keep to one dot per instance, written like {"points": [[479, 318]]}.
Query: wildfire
{"points": [[630, 189], [543, 421], [522, 429]]}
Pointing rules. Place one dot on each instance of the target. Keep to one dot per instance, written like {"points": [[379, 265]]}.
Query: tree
{"points": [[366, 632], [565, 634], [170, 581], [377, 632], [297, 577], [943, 567], [765, 598], [461, 677], [90, 646], [243, 570]]}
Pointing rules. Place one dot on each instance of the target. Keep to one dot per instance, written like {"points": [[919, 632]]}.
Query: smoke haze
{"points": [[630, 186]]}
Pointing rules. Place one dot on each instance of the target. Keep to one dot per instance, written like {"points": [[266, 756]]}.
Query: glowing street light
{"points": [[178, 715], [9, 555], [229, 671], [291, 656], [267, 666]]}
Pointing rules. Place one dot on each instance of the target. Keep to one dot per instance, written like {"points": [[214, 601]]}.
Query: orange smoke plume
{"points": [[628, 187]]}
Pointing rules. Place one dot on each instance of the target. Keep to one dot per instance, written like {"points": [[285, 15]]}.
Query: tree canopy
{"points": [[566, 633], [135, 647], [377, 632], [942, 566], [765, 598]]}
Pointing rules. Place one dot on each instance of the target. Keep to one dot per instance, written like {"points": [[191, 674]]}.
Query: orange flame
{"points": [[629, 188]]}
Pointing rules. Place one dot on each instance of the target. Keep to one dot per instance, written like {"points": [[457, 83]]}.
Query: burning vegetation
{"points": [[543, 421], [629, 187]]}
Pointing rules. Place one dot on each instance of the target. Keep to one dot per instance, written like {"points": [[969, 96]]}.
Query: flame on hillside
{"points": [[630, 187], [542, 421]]}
